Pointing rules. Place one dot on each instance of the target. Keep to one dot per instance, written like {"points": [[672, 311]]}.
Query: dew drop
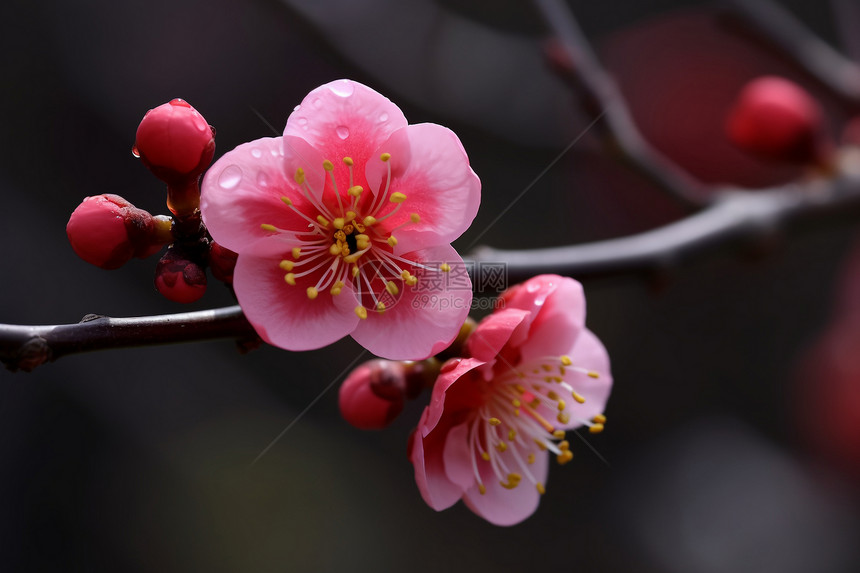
{"points": [[317, 103], [262, 179], [302, 121], [343, 88], [200, 123], [256, 152], [383, 117], [342, 131], [297, 108], [230, 177], [135, 151]]}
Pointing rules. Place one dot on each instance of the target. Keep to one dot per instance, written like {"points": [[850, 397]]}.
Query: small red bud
{"points": [[776, 119], [222, 262], [107, 231], [175, 142], [372, 396], [179, 279]]}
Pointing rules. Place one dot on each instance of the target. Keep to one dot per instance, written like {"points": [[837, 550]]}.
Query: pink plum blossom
{"points": [[532, 371], [343, 226]]}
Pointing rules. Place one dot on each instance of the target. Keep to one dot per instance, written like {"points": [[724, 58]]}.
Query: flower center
{"points": [[522, 417], [346, 242]]}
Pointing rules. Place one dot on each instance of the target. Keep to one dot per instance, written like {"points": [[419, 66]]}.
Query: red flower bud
{"points": [[372, 396], [107, 231], [222, 261], [776, 119], [175, 142], [179, 279]]}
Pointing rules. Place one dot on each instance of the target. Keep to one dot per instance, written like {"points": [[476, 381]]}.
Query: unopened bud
{"points": [[776, 119], [222, 262], [107, 231], [175, 142], [372, 396], [179, 279]]}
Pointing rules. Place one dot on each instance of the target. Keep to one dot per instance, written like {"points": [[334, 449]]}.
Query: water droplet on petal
{"points": [[297, 108], [302, 121], [383, 117], [135, 152], [342, 88], [342, 131], [230, 177], [256, 152], [317, 103], [200, 123], [262, 179]]}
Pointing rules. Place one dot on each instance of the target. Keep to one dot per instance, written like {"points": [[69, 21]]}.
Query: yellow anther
{"points": [[334, 291], [596, 428], [562, 418], [362, 243], [546, 367], [482, 489], [600, 419], [351, 259], [531, 458], [520, 389], [347, 161], [564, 445], [369, 220], [564, 457], [392, 241], [340, 236], [361, 312], [339, 223], [558, 434], [392, 288], [336, 288], [312, 293], [552, 395], [322, 220], [494, 421], [355, 190], [327, 165], [535, 403], [485, 456], [516, 411], [404, 275], [561, 405], [290, 278], [512, 434], [516, 403], [593, 374], [415, 217], [397, 197], [444, 267], [350, 216], [267, 227], [541, 489], [300, 176], [566, 360], [354, 271], [297, 251], [286, 201], [502, 446], [334, 249], [578, 397], [412, 280], [513, 481], [286, 265], [385, 156], [380, 307]]}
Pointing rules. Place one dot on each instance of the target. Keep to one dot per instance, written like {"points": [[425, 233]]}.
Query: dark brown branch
{"points": [[576, 63], [766, 20], [25, 347]]}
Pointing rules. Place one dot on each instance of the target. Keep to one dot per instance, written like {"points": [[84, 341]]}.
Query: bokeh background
{"points": [[733, 438]]}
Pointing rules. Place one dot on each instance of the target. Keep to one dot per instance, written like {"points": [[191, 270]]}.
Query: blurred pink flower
{"points": [[533, 372], [344, 224]]}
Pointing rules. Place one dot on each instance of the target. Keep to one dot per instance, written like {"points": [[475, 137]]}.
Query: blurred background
{"points": [[733, 440]]}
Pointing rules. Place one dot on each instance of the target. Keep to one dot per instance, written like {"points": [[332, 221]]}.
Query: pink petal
{"points": [[243, 190], [493, 332], [282, 314], [457, 456], [448, 396], [559, 316], [430, 166], [426, 455], [344, 118], [589, 353], [501, 506], [425, 319]]}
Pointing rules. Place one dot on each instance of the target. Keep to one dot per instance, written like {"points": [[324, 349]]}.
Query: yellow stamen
{"points": [[511, 435], [561, 405], [339, 223], [558, 434], [350, 216], [286, 201], [531, 458], [564, 457], [593, 374], [502, 446], [312, 293], [369, 220], [380, 307], [267, 227], [397, 197], [286, 265], [385, 156], [444, 267], [415, 217], [361, 312], [482, 489], [563, 418], [347, 161], [596, 428], [566, 360], [578, 397], [355, 190], [392, 288], [494, 421], [392, 241], [322, 220], [600, 419], [300, 176], [327, 165], [296, 252], [334, 249], [485, 456], [541, 489], [354, 271], [290, 278]]}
